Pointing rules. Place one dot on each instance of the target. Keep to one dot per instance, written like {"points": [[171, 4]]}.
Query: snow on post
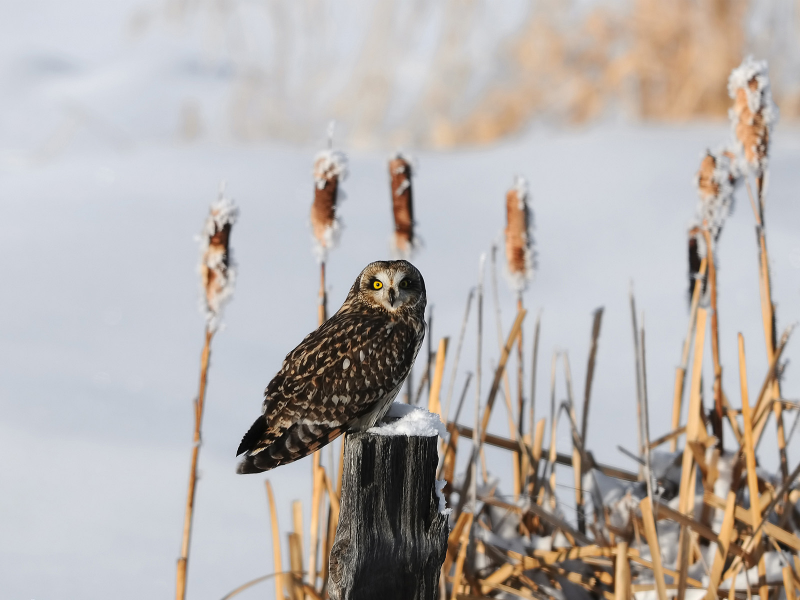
{"points": [[217, 268], [401, 171], [753, 114], [391, 539], [520, 256], [330, 169]]}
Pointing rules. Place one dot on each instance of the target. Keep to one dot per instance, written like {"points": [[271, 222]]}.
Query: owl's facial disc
{"points": [[392, 290]]}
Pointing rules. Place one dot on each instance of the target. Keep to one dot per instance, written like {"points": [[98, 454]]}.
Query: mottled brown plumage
{"points": [[345, 374]]}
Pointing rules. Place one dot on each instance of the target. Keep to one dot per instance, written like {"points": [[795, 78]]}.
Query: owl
{"points": [[345, 375]]}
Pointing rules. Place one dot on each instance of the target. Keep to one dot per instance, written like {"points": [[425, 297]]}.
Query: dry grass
{"points": [[529, 547]]}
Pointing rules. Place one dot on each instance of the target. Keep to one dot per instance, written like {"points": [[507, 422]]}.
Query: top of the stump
{"points": [[410, 420]]}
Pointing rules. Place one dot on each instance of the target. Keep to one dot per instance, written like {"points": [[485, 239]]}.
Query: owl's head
{"points": [[395, 286]]}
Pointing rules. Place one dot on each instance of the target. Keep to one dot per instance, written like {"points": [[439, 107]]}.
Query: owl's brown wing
{"points": [[337, 374]]}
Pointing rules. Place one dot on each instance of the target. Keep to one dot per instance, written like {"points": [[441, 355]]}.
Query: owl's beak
{"points": [[392, 296]]}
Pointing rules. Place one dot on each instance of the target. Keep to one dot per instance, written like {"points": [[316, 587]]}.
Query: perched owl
{"points": [[345, 375]]}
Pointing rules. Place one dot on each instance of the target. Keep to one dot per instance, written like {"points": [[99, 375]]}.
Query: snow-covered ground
{"points": [[100, 334]]}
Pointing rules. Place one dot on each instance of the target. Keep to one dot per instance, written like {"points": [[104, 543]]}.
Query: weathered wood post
{"points": [[392, 534]]}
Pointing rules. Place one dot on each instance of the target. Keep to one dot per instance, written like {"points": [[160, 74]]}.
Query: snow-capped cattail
{"points": [[330, 168], [400, 173], [520, 256], [715, 183], [753, 114], [217, 269], [217, 277]]}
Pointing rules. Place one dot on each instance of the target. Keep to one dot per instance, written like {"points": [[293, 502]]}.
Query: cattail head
{"points": [[753, 114], [715, 183], [330, 168], [400, 172], [520, 257], [217, 269]]}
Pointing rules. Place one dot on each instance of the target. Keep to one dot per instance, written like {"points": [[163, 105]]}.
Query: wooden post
{"points": [[392, 539]]}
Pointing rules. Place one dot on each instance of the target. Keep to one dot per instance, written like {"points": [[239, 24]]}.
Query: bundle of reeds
{"points": [[217, 278]]}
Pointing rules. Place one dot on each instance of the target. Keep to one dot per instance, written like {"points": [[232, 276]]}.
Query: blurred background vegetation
{"points": [[469, 72]]}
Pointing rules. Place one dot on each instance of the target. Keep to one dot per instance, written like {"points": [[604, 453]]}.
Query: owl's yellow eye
{"points": [[404, 283], [377, 284]]}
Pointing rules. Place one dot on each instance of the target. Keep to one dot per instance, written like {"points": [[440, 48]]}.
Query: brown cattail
{"points": [[707, 187], [754, 113], [520, 256], [217, 269], [400, 173], [330, 168], [715, 184]]}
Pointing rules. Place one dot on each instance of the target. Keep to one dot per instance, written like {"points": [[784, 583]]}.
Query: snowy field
{"points": [[100, 333]]}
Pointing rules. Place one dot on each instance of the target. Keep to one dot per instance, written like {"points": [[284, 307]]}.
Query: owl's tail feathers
{"points": [[266, 449], [253, 436], [248, 465], [250, 442]]}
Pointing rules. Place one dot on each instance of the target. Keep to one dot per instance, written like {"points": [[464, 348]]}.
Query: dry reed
{"points": [[528, 549], [330, 169], [217, 276], [753, 116]]}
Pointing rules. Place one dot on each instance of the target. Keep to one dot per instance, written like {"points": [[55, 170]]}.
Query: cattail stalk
{"points": [[753, 116], [403, 242], [476, 436], [512, 429], [218, 274], [330, 169], [532, 406], [715, 182], [716, 416], [183, 561], [637, 358], [520, 266], [680, 372]]}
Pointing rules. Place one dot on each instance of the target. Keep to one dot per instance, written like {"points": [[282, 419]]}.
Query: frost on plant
{"points": [[715, 183], [520, 255], [753, 115], [217, 268], [329, 165], [330, 168]]}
